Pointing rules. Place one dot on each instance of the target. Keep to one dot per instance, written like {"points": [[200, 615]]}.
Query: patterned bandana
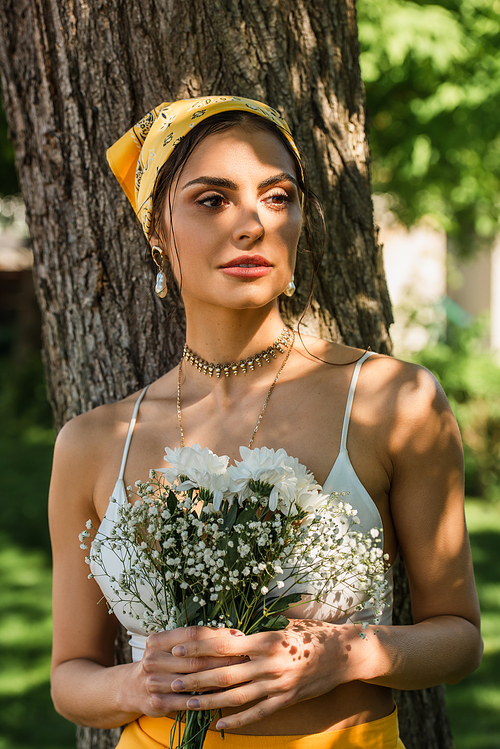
{"points": [[138, 156]]}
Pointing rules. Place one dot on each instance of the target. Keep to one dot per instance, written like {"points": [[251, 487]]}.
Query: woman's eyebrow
{"points": [[215, 181], [230, 185], [282, 177]]}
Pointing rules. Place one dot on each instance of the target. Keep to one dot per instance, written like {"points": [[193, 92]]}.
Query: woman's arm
{"points": [[444, 644], [428, 514], [86, 687]]}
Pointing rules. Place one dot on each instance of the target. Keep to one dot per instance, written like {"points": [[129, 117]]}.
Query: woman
{"points": [[220, 189]]}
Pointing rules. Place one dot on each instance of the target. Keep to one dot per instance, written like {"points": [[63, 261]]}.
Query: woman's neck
{"points": [[221, 335]]}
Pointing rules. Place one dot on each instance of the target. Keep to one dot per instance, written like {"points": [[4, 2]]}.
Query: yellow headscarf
{"points": [[138, 156]]}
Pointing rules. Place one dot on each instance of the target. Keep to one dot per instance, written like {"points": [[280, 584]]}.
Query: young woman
{"points": [[220, 189]]}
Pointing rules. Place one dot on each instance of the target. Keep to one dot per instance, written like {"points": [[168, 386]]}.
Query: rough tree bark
{"points": [[75, 76]]}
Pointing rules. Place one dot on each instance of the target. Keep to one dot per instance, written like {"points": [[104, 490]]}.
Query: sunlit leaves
{"points": [[432, 76]]}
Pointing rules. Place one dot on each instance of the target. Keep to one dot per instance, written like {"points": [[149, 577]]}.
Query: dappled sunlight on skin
{"points": [[426, 435], [303, 642], [306, 636], [277, 677]]}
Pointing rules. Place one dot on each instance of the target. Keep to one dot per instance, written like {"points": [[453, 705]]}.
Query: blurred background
{"points": [[432, 77]]}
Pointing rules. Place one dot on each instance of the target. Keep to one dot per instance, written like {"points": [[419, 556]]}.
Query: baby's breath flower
{"points": [[176, 558]]}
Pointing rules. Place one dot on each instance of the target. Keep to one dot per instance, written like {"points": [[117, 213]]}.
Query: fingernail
{"points": [[236, 633], [177, 685], [220, 725], [193, 704], [179, 651]]}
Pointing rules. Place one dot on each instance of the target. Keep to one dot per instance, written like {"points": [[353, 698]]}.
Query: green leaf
{"points": [[171, 502], [269, 624], [278, 606], [192, 608], [282, 604], [230, 518], [247, 514]]}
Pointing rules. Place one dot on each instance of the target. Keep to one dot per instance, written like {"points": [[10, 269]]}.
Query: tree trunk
{"points": [[76, 75]]}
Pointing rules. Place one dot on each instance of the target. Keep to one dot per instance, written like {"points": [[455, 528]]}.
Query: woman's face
{"points": [[236, 219]]}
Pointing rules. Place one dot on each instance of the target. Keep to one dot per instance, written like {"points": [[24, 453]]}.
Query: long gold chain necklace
{"points": [[263, 410]]}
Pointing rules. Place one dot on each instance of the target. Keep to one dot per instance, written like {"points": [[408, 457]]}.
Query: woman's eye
{"points": [[211, 201], [279, 199]]}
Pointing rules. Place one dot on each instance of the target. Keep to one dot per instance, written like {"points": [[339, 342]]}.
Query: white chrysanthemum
{"points": [[293, 485], [203, 469]]}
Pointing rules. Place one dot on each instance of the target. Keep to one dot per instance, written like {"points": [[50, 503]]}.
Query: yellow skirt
{"points": [[154, 733]]}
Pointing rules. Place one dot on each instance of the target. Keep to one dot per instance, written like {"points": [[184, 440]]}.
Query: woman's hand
{"points": [[158, 668], [307, 659]]}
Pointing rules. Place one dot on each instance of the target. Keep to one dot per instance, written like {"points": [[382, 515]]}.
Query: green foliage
{"points": [[27, 716], [25, 413], [432, 78], [474, 704], [471, 379]]}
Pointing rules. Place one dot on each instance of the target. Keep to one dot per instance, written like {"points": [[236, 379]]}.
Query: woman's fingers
{"points": [[284, 667], [242, 695], [183, 635], [166, 668], [160, 668], [228, 645], [225, 671], [158, 657], [218, 678], [256, 712], [159, 704], [195, 665]]}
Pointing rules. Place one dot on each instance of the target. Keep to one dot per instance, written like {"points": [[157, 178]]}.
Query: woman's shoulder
{"points": [[399, 385], [87, 455], [89, 435], [339, 354]]}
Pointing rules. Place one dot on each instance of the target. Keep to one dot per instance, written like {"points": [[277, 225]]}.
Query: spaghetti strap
{"points": [[130, 433], [350, 398]]}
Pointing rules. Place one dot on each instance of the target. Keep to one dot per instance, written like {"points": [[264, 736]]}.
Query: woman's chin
{"points": [[244, 299]]}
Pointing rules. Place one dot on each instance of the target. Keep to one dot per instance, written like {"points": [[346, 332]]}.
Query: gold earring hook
{"points": [[158, 256]]}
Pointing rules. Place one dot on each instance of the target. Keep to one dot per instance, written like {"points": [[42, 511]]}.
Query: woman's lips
{"points": [[247, 266], [252, 271]]}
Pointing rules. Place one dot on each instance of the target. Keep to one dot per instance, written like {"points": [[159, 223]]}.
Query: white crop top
{"points": [[342, 478]]}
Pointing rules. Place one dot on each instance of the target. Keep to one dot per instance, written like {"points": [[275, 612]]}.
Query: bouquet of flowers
{"points": [[234, 546]]}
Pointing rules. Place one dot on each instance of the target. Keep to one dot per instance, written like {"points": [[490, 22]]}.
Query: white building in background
{"points": [[475, 286], [425, 279]]}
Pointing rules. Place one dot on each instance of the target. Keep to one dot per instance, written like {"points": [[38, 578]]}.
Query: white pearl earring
{"points": [[290, 289], [161, 288]]}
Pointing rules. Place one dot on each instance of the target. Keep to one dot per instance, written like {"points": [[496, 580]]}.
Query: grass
{"points": [[27, 718], [474, 704]]}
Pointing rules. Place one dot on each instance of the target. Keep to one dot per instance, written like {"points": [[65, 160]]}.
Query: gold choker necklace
{"points": [[285, 339]]}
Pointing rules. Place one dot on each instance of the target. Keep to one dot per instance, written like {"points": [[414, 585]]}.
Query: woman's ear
{"points": [[154, 240]]}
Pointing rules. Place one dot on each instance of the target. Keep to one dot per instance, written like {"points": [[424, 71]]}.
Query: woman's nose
{"points": [[248, 228]]}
